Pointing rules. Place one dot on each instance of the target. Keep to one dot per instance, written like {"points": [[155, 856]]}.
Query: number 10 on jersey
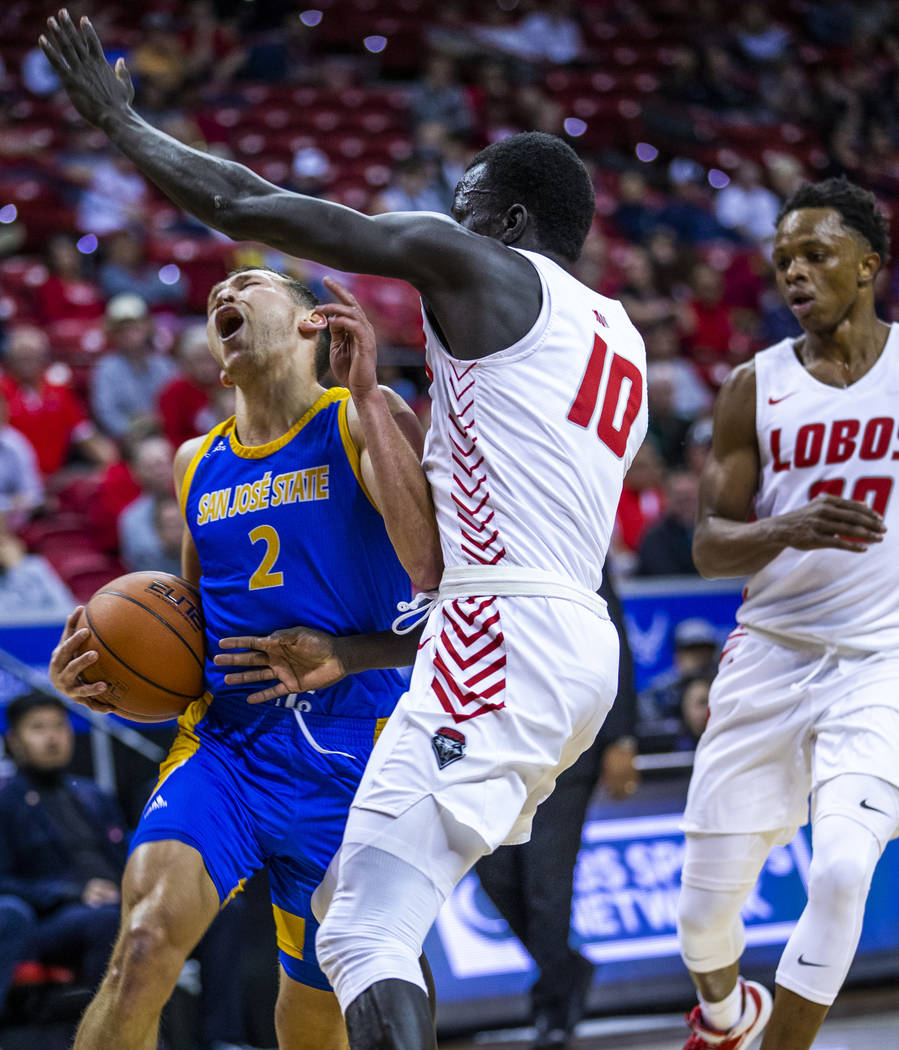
{"points": [[619, 410]]}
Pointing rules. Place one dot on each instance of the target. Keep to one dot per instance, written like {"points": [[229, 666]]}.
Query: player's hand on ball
{"points": [[67, 662], [76, 54], [354, 349], [299, 657], [832, 522]]}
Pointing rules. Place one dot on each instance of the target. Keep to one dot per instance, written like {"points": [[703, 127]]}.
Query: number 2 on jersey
{"points": [[263, 576], [615, 421]]}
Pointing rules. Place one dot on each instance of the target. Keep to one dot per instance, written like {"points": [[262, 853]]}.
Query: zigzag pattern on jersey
{"points": [[470, 659]]}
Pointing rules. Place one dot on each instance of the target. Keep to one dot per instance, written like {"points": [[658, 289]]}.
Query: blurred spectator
{"points": [[159, 59], [311, 171], [62, 850], [37, 73], [114, 196], [412, 187], [119, 486], [694, 708], [687, 210], [761, 39], [126, 268], [695, 652], [43, 406], [591, 267], [708, 330], [212, 42], [550, 32], [634, 216], [641, 503], [690, 393], [666, 547], [67, 293], [746, 206], [140, 544], [21, 488], [698, 444], [438, 97], [194, 401], [126, 381], [666, 427], [640, 294]]}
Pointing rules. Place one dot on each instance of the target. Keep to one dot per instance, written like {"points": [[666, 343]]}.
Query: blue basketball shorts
{"points": [[249, 786]]}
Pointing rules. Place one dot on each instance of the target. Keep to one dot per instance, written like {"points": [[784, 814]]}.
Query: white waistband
{"points": [[507, 581]]}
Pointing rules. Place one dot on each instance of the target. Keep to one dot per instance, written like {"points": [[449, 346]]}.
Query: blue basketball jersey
{"points": [[287, 534]]}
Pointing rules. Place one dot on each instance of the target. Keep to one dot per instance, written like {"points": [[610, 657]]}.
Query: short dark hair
{"points": [[22, 706], [304, 295], [858, 209], [543, 173]]}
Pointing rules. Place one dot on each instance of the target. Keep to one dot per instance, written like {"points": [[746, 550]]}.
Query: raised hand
{"points": [[354, 350], [300, 658], [67, 662], [76, 54], [832, 522]]}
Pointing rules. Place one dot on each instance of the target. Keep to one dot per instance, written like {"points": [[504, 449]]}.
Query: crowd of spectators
{"points": [[695, 119]]}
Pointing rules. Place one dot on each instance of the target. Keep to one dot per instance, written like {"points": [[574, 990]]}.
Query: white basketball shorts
{"points": [[782, 722], [505, 694]]}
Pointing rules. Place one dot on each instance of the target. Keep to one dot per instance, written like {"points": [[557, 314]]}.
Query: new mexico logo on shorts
{"points": [[449, 746]]}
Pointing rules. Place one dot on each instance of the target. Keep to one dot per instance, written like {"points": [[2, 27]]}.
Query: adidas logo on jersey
{"points": [[158, 803], [220, 447]]}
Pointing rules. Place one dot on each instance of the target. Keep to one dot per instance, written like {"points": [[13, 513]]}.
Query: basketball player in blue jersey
{"points": [[284, 523]]}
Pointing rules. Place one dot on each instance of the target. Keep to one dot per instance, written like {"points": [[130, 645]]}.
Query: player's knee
{"points": [[709, 928], [839, 881], [146, 960]]}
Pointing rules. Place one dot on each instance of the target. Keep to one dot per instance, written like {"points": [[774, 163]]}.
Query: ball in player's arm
{"points": [[804, 701]]}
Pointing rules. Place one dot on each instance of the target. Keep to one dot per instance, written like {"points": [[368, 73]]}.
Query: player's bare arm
{"points": [[303, 659], [388, 436], [725, 542], [434, 253], [190, 560]]}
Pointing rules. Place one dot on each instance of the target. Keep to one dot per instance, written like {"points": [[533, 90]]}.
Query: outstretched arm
{"points": [[440, 258], [725, 542]]}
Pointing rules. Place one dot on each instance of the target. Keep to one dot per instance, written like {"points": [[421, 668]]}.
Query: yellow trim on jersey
{"points": [[260, 451], [186, 744], [290, 930], [195, 462], [237, 889], [349, 447], [379, 726]]}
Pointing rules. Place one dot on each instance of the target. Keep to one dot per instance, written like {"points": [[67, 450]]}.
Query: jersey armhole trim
{"points": [[349, 447], [188, 478]]}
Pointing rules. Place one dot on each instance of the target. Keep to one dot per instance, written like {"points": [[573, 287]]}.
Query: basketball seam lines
{"points": [[168, 626], [134, 671]]}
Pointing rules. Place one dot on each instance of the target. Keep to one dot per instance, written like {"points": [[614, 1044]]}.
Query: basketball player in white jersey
{"points": [[539, 407], [799, 494]]}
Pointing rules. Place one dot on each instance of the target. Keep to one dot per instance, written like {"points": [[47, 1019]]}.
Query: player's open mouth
{"points": [[228, 322], [801, 303]]}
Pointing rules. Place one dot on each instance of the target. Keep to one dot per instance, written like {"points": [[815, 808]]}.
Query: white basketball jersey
{"points": [[816, 438], [528, 447]]}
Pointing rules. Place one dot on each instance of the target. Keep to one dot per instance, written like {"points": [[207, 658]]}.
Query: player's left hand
{"points": [[76, 55], [354, 349], [300, 658]]}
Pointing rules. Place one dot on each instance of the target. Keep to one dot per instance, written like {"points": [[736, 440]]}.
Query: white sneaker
{"points": [[757, 1005]]}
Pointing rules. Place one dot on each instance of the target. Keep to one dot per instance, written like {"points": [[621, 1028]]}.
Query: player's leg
{"points": [[855, 816], [719, 873], [370, 942], [308, 1018], [168, 901]]}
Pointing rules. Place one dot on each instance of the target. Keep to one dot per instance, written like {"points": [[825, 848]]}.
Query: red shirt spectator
{"points": [[43, 406], [642, 497], [67, 293]]}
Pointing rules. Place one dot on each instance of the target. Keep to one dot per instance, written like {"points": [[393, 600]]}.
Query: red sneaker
{"points": [[757, 1006]]}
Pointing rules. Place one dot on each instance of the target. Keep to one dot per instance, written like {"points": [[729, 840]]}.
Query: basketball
{"points": [[148, 629]]}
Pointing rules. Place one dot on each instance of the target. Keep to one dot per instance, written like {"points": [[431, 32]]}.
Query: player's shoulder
{"points": [[189, 450]]}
